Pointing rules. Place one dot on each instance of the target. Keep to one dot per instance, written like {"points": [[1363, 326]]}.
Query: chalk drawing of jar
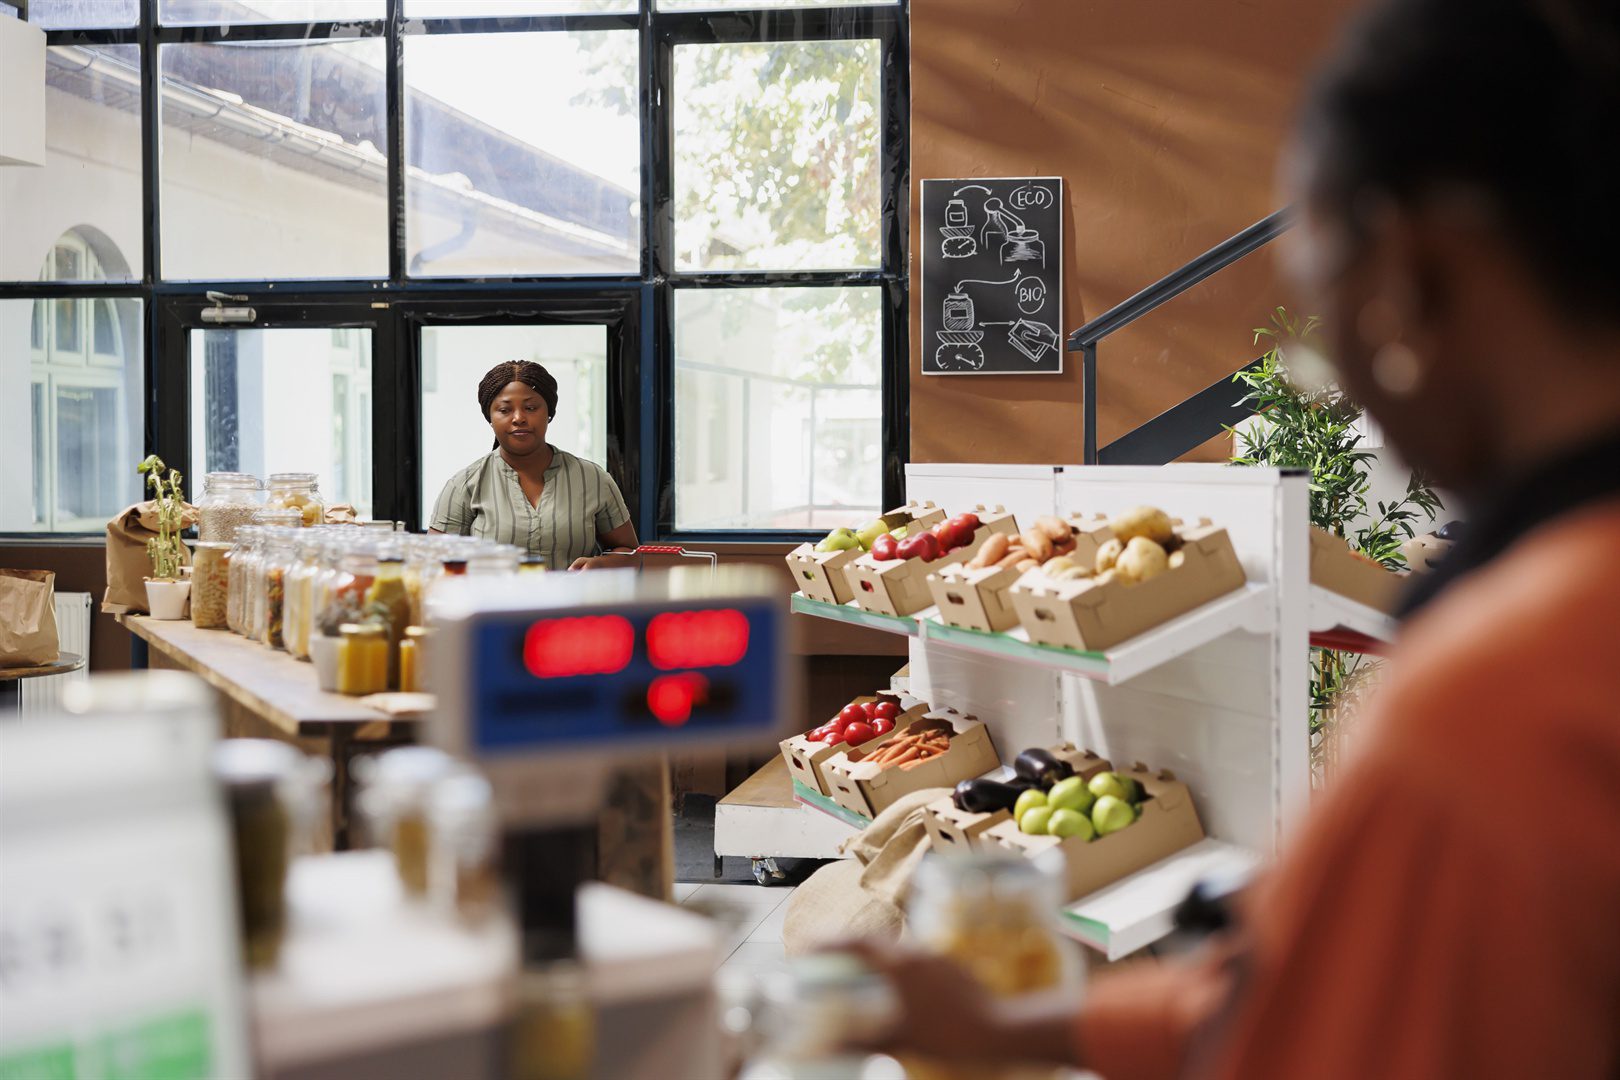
{"points": [[1023, 245], [958, 312]]}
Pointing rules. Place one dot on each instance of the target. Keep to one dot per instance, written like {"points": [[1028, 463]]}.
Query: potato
{"points": [[1144, 521], [991, 552], [1177, 558], [1055, 528], [1028, 565], [1105, 577], [1142, 559], [1074, 572], [1056, 566], [1037, 543], [1108, 554]]}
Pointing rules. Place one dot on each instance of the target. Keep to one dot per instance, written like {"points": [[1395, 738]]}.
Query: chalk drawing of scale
{"points": [[1004, 232], [959, 343]]}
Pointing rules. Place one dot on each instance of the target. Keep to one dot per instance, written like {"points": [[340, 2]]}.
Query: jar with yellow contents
{"points": [[395, 794], [996, 916]]}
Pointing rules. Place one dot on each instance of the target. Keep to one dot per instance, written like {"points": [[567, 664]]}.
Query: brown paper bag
{"points": [[27, 618], [128, 564], [340, 514]]}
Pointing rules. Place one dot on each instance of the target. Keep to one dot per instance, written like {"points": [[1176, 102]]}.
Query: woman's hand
{"points": [[944, 1012]]}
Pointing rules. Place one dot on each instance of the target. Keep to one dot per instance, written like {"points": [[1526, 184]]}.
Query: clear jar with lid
{"points": [[388, 602], [274, 524], [229, 502], [463, 863], [280, 551], [996, 915], [299, 616], [210, 583], [802, 1022], [247, 550], [396, 787], [297, 491], [494, 560]]}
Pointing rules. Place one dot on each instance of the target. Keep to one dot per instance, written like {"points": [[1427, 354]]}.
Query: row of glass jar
{"points": [[346, 598], [230, 500]]}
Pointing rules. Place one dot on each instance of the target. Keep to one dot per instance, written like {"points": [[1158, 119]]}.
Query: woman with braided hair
{"points": [[527, 492]]}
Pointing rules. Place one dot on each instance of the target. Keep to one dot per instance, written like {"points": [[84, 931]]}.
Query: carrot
{"points": [[912, 753]]}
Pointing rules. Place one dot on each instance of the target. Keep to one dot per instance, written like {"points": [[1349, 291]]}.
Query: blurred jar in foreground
{"points": [[554, 1031], [274, 796], [464, 837], [297, 491], [396, 787], [804, 1019]]}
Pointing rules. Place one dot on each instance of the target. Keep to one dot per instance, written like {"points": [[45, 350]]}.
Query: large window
{"points": [[691, 211]]}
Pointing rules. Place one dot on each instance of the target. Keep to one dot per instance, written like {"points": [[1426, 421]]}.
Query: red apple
{"points": [[924, 546], [885, 710], [858, 733], [885, 548], [850, 714], [870, 708], [958, 531], [882, 725]]}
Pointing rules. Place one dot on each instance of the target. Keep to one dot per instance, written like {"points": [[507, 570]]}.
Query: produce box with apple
{"points": [[818, 569], [892, 578], [1148, 572], [1338, 568], [866, 721], [935, 751], [975, 594], [1108, 825], [960, 821]]}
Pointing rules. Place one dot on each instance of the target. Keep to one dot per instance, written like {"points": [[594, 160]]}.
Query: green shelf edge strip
{"points": [[1007, 646], [903, 624], [821, 802], [1093, 930]]}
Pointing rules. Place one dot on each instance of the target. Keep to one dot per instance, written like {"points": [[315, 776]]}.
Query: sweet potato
{"points": [[993, 551], [1053, 528], [1037, 543]]}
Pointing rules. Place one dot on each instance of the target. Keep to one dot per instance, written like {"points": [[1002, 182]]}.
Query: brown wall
{"points": [[78, 568], [1165, 122]]}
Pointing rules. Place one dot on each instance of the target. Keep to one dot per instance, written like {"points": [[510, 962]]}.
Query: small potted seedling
{"points": [[166, 590]]}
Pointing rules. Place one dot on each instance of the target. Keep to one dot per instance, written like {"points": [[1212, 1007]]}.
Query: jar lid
{"points": [[254, 762], [350, 629], [293, 478], [416, 633], [213, 545], [232, 479]]}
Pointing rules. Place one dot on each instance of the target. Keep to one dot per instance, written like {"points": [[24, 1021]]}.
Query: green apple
{"points": [[898, 532], [871, 532], [1028, 800], [1035, 820], [1124, 788], [1071, 794], [1066, 823], [1111, 814], [839, 540]]}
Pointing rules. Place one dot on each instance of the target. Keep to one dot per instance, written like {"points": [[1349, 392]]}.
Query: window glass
{"points": [[256, 396], [91, 179], [777, 156], [261, 11], [524, 154], [83, 14], [454, 431], [778, 407], [107, 339], [75, 428], [274, 160], [467, 9]]}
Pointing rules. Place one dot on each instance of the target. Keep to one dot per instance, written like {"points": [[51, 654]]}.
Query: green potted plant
{"points": [[166, 590], [1303, 421]]}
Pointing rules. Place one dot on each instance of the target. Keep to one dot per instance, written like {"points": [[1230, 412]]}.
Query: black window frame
{"points": [[636, 308]]}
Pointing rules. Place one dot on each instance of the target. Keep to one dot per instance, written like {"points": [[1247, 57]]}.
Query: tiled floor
{"points": [[752, 917]]}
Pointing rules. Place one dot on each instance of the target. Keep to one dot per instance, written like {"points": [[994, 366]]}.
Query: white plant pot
{"points": [[167, 599], [323, 653]]}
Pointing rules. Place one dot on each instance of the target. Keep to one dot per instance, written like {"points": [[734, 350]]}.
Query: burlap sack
{"points": [[27, 618], [128, 565], [862, 896]]}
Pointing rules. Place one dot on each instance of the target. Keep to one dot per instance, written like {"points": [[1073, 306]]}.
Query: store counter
{"points": [[267, 694]]}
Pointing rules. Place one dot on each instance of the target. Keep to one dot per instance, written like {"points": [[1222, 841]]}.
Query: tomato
{"points": [[882, 726], [850, 714], [870, 708], [885, 710], [820, 734], [858, 733]]}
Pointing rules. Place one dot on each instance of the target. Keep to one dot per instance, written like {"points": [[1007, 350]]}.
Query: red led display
{"points": [[697, 639], [670, 697], [586, 645]]}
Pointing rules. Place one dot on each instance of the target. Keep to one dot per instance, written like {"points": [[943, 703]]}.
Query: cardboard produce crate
{"points": [[820, 574], [868, 789], [1336, 568], [979, 599], [1168, 823], [805, 759], [953, 830], [1088, 614], [900, 586]]}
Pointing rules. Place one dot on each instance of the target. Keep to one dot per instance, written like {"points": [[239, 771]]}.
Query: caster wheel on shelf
{"points": [[766, 872]]}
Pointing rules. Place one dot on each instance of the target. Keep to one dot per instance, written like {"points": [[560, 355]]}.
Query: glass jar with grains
{"points": [[229, 502], [210, 583]]}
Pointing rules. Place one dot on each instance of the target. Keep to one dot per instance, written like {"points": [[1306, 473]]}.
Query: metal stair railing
{"points": [[1177, 424]]}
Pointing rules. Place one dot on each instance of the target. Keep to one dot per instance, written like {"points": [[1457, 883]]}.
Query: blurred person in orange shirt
{"points": [[1452, 907]]}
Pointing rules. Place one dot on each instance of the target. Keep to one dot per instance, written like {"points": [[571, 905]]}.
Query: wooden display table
{"points": [[266, 694]]}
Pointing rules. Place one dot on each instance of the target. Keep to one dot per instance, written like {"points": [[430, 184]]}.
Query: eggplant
{"points": [[1042, 766], [983, 796], [1451, 530]]}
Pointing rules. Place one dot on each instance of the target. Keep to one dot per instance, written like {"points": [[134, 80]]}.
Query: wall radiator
{"points": [[44, 695]]}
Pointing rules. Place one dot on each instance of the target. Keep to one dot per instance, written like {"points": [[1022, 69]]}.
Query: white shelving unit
{"points": [[1218, 695]]}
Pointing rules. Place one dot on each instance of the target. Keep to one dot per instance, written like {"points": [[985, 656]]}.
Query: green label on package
{"points": [[177, 1047]]}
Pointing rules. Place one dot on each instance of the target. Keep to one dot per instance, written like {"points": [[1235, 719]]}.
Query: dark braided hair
{"points": [[1512, 104], [528, 373]]}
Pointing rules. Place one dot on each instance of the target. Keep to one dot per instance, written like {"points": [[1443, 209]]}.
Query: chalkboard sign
{"points": [[992, 276]]}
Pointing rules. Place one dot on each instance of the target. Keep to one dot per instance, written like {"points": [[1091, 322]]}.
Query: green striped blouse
{"points": [[579, 502]]}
